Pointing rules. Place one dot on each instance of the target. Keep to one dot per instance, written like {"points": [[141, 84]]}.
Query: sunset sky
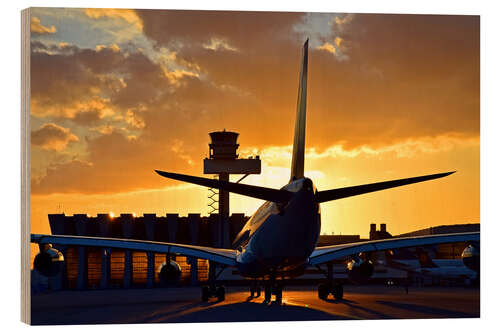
{"points": [[116, 94]]}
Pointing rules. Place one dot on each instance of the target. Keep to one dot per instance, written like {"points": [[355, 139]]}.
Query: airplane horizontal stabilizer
{"points": [[345, 192], [264, 193]]}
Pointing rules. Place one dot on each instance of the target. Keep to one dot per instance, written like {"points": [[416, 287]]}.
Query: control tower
{"points": [[223, 160]]}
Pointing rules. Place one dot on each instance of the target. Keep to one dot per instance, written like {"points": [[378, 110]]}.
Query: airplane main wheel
{"points": [[205, 293], [267, 294], [221, 293], [279, 295], [338, 292], [254, 292], [323, 291]]}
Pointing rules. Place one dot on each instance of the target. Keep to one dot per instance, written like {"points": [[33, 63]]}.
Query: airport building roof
{"points": [[443, 229]]}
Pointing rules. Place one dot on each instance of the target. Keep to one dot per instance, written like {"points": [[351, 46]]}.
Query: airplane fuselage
{"points": [[281, 237]]}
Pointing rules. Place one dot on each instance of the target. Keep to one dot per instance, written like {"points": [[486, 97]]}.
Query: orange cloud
{"points": [[103, 129], [128, 15], [216, 44], [52, 137], [327, 47], [337, 48], [133, 119], [84, 111], [407, 149], [37, 27], [175, 77], [113, 47], [343, 19]]}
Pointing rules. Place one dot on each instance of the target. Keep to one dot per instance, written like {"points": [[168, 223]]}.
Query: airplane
{"points": [[421, 264], [279, 240]]}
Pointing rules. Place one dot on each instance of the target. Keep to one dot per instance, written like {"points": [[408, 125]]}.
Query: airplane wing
{"points": [[327, 253], [221, 256]]}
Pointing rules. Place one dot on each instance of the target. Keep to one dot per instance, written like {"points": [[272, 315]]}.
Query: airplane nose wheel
{"points": [[273, 287], [254, 290]]}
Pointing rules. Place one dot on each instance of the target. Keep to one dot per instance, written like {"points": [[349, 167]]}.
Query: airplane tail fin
{"points": [[297, 170]]}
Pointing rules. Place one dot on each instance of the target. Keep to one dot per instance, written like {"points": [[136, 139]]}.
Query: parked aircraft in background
{"points": [[420, 264]]}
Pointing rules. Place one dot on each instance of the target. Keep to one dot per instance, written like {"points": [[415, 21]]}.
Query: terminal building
{"points": [[110, 268]]}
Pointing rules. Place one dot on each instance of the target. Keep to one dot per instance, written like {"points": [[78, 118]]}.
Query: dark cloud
{"points": [[52, 137], [59, 79], [87, 117], [243, 30], [115, 164], [69, 82], [408, 76]]}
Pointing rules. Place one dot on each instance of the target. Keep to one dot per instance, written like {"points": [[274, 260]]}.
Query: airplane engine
{"points": [[49, 262], [470, 257], [359, 270], [170, 272]]}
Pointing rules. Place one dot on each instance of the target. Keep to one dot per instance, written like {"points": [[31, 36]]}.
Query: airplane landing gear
{"points": [[267, 294], [205, 293], [278, 292], [331, 287], [323, 291], [254, 289], [220, 293], [336, 289], [273, 287], [255, 292], [213, 291]]}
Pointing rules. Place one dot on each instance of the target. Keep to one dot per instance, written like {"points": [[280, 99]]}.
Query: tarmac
{"points": [[184, 305]]}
